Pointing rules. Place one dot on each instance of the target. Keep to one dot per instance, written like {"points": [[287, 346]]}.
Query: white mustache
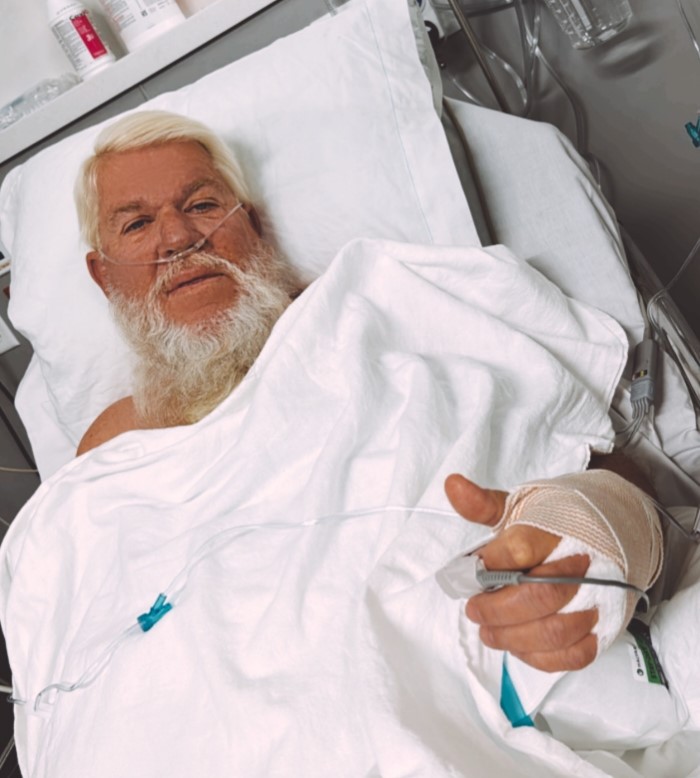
{"points": [[199, 260]]}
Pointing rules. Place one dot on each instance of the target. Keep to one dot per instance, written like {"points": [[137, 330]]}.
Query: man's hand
{"points": [[523, 619]]}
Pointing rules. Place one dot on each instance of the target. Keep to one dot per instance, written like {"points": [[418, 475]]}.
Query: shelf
{"points": [[126, 72]]}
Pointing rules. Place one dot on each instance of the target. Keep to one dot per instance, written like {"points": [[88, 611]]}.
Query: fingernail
{"points": [[472, 611], [486, 636]]}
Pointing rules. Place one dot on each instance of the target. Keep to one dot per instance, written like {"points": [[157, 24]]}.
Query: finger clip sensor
{"points": [[462, 577], [466, 576]]}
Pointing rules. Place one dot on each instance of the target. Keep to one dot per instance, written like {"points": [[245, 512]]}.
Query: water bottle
{"points": [[74, 28], [590, 22]]}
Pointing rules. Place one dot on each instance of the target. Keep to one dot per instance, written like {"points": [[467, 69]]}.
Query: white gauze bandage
{"points": [[601, 514]]}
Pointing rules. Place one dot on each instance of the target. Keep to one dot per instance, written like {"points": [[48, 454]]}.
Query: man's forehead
{"points": [[152, 173]]}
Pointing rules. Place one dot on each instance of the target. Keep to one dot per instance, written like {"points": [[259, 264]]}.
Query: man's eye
{"points": [[135, 225], [203, 206]]}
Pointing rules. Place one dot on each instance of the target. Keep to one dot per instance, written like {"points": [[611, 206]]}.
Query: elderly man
{"points": [[178, 250], [197, 319]]}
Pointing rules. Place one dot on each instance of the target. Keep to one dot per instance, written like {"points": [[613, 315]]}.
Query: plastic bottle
{"points": [[33, 98], [139, 21], [73, 26], [590, 22]]}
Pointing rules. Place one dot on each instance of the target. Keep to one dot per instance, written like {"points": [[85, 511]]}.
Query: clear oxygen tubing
{"points": [[659, 303], [178, 255], [483, 54], [689, 27], [532, 51], [168, 598], [506, 66], [520, 83], [532, 54], [466, 28], [690, 534], [10, 428], [7, 751], [479, 10], [656, 298], [655, 332]]}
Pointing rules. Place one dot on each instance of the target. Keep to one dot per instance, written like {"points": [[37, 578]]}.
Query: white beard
{"points": [[184, 371]]}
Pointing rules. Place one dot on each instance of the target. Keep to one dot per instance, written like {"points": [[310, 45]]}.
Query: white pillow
{"points": [[336, 129]]}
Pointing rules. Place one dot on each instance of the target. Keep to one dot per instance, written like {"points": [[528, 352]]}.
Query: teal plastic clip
{"points": [[694, 131], [159, 608], [510, 701]]}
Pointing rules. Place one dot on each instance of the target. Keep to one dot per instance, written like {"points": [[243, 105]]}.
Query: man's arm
{"points": [[618, 463], [524, 619]]}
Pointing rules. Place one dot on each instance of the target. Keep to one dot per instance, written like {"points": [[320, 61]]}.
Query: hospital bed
{"points": [[345, 134]]}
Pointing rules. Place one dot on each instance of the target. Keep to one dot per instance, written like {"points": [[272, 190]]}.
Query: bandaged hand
{"points": [[527, 620]]}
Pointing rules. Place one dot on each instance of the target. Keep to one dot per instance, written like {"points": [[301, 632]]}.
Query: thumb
{"points": [[482, 506]]}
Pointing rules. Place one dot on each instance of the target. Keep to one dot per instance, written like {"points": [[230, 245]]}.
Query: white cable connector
{"points": [[642, 388], [644, 375]]}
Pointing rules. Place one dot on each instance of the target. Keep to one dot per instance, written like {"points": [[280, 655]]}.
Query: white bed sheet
{"points": [[324, 649], [544, 205]]}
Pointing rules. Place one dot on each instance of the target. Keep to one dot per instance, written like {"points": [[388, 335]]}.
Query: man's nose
{"points": [[176, 232]]}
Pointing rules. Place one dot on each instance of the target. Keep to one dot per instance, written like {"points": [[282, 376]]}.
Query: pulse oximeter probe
{"points": [[466, 575]]}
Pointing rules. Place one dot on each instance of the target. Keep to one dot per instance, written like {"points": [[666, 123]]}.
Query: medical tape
{"points": [[600, 514]]}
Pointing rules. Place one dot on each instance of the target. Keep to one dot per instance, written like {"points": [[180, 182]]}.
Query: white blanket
{"points": [[316, 643]]}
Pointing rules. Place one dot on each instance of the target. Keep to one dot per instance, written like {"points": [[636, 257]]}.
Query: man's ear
{"points": [[96, 268], [254, 218]]}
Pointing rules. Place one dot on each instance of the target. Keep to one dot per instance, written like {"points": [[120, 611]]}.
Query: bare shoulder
{"points": [[119, 417]]}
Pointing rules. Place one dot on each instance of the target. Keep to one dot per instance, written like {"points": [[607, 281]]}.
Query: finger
{"points": [[520, 547], [528, 602], [574, 657], [553, 633], [483, 506]]}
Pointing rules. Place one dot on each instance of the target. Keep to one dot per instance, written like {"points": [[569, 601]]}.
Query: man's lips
{"points": [[190, 279]]}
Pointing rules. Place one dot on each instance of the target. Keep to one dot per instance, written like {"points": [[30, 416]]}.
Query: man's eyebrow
{"points": [[133, 206], [201, 183]]}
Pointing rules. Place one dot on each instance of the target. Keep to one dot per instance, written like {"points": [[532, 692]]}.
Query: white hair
{"points": [[149, 128]]}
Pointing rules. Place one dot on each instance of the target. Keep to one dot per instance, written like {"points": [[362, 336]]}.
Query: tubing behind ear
{"points": [[254, 218]]}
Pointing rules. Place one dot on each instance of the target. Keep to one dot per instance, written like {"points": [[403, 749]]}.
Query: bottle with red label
{"points": [[74, 27]]}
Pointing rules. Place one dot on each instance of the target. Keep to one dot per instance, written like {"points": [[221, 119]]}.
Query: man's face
{"points": [[157, 201]]}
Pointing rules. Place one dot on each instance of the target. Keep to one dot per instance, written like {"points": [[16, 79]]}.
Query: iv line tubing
{"points": [[179, 582], [689, 27], [478, 53], [213, 544]]}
